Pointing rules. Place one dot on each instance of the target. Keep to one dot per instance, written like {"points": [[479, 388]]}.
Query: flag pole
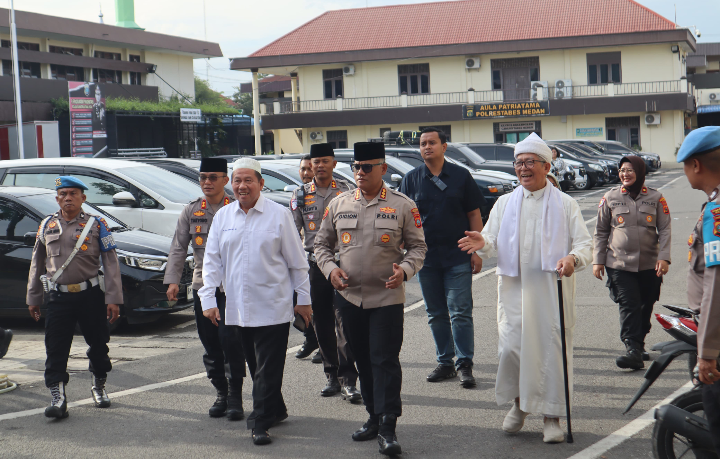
{"points": [[16, 79]]}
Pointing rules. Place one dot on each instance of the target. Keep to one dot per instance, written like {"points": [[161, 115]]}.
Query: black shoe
{"points": [[466, 377], [280, 418], [219, 407], [441, 373], [5, 343], [646, 355], [99, 394], [386, 436], [332, 388], [351, 394], [306, 350], [58, 405], [261, 437], [368, 431], [317, 358], [234, 402], [633, 358]]}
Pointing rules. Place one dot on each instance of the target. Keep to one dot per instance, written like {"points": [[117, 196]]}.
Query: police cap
{"points": [[699, 141], [66, 181]]}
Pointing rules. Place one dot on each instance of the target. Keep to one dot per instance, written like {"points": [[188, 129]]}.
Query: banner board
{"points": [[88, 120], [190, 115], [589, 132], [499, 110]]}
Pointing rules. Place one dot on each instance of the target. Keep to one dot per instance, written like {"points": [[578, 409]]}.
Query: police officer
{"points": [[632, 240], [371, 225], [310, 343], [307, 205], [65, 264], [700, 155], [224, 358]]}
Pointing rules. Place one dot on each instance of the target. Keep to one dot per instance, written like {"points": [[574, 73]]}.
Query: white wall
{"points": [[177, 70]]}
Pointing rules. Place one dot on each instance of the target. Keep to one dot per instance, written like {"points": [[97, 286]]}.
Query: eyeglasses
{"points": [[626, 171], [367, 168], [213, 178], [530, 163]]}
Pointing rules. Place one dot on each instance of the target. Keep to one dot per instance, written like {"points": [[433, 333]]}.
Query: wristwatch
{"points": [[576, 259]]}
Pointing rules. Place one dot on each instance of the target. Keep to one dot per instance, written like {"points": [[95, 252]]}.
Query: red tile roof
{"points": [[468, 21]]}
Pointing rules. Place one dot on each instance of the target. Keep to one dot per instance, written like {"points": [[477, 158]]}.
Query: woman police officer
{"points": [[632, 240]]}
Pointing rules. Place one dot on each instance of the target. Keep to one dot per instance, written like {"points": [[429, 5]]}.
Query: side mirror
{"points": [[124, 199], [29, 238], [396, 178], [290, 188]]}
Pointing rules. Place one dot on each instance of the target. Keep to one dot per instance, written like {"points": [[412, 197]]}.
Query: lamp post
{"points": [[16, 79]]}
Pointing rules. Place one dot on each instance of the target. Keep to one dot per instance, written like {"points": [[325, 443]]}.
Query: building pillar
{"points": [[293, 88], [256, 112], [277, 145]]}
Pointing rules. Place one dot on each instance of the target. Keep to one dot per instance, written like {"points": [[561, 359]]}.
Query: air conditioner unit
{"points": [[534, 85], [652, 118], [316, 135], [714, 97], [472, 62], [563, 89], [348, 70]]}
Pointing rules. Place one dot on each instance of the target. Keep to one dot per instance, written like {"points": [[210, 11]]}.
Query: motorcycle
{"points": [[680, 426]]}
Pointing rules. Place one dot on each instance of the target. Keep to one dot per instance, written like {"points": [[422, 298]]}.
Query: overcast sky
{"points": [[241, 27]]}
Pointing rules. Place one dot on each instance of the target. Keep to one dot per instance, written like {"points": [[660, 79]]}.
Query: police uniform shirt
{"points": [[308, 217], [632, 234], [57, 239], [369, 236], [704, 278], [193, 226]]}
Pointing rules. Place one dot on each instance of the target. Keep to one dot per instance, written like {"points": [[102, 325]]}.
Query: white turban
{"points": [[247, 163], [534, 144]]}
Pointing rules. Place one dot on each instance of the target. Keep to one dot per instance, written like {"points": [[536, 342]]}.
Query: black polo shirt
{"points": [[444, 213]]}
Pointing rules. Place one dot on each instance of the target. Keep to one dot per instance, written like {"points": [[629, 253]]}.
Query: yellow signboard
{"points": [[506, 109]]}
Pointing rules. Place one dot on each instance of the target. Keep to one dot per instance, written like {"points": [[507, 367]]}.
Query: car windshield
{"points": [[398, 164], [618, 148], [165, 183], [45, 204], [470, 154]]}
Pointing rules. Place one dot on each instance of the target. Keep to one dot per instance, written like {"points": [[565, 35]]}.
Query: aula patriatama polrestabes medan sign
{"points": [[506, 109]]}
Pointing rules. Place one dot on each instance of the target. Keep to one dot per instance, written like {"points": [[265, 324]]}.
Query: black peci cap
{"points": [[213, 165], [319, 150], [365, 151]]}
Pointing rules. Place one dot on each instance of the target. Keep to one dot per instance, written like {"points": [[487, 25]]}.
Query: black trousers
{"points": [[309, 332], [635, 293], [338, 360], [265, 349], [64, 311], [224, 356], [375, 337], [711, 406]]}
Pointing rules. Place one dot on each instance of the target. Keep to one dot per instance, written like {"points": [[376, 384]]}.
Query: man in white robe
{"points": [[536, 232]]}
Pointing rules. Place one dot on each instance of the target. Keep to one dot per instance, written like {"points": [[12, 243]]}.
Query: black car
{"points": [[609, 161], [615, 148], [483, 156], [142, 256], [597, 173]]}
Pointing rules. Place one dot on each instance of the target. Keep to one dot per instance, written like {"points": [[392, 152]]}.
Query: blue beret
{"points": [[700, 140], [65, 181]]}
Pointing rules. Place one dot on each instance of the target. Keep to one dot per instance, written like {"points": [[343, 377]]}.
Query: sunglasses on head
{"points": [[367, 168]]}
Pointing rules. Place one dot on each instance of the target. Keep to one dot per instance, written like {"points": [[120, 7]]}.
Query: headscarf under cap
{"points": [[638, 166]]}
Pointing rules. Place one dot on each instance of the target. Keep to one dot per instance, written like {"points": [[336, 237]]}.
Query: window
{"points": [[514, 76], [414, 161], [333, 83], [37, 180], [64, 50], [100, 191], [106, 55], [604, 68], [497, 80], [14, 224], [63, 72], [273, 183], [135, 77], [164, 183], [446, 128], [624, 129], [414, 79], [21, 45], [107, 76], [27, 69], [338, 139]]}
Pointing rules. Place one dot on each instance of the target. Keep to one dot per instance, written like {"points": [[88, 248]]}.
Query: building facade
{"points": [[703, 68], [577, 69]]}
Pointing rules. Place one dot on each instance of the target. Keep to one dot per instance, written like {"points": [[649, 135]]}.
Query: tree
{"points": [[204, 94], [245, 101]]}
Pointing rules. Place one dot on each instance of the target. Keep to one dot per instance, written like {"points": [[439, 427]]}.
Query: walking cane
{"points": [[564, 355]]}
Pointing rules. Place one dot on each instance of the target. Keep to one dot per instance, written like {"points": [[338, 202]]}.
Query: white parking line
{"points": [[185, 324]]}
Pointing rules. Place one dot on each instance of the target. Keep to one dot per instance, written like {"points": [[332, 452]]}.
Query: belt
{"points": [[76, 288], [311, 257]]}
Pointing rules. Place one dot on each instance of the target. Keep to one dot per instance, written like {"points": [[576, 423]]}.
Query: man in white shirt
{"points": [[253, 250]]}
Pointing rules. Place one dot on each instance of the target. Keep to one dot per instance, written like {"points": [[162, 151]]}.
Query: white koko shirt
{"points": [[259, 258]]}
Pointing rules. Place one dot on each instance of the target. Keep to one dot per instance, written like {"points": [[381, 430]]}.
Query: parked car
{"points": [[142, 255], [284, 175], [485, 156], [141, 195], [597, 173], [612, 147], [190, 169], [611, 162]]}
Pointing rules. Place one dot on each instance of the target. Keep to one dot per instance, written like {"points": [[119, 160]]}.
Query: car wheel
{"points": [[585, 186]]}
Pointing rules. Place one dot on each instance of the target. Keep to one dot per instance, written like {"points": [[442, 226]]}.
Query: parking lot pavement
{"points": [[160, 401]]}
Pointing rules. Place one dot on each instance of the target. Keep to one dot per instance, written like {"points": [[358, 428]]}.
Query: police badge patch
{"points": [[711, 234]]}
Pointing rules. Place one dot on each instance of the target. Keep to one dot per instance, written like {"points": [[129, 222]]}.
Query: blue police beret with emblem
{"points": [[699, 141], [65, 181]]}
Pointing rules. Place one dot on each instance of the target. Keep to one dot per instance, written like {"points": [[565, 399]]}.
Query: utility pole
{"points": [[16, 79], [207, 59]]}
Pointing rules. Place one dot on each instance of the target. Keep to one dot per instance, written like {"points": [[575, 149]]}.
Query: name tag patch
{"points": [[340, 216], [386, 216]]}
